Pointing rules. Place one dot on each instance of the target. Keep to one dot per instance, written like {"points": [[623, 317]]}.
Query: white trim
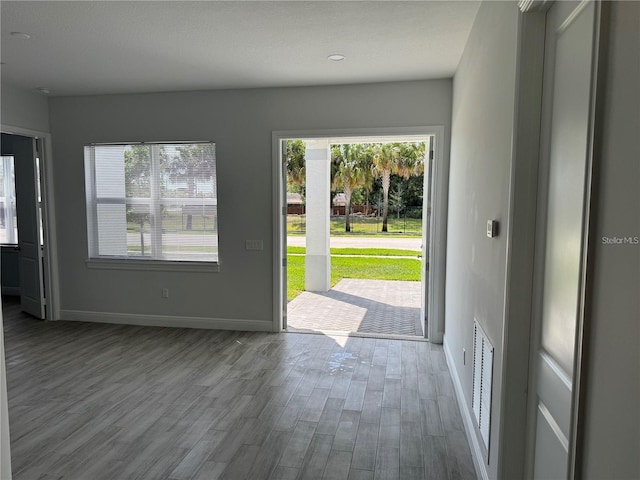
{"points": [[148, 265], [27, 132], [350, 133], [48, 218], [556, 369], [166, 321], [520, 245], [279, 243], [438, 245], [589, 239], [533, 6], [439, 201], [572, 16], [469, 423], [542, 408]]}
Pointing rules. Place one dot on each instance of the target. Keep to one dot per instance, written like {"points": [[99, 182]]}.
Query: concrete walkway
{"points": [[364, 306], [411, 243]]}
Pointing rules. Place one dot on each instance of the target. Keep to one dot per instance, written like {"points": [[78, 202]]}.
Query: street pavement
{"points": [[341, 241], [413, 243]]}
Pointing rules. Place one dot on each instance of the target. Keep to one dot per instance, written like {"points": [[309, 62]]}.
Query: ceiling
{"points": [[102, 47]]}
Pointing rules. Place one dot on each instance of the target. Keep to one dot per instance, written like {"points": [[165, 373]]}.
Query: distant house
{"points": [[295, 204], [339, 203]]}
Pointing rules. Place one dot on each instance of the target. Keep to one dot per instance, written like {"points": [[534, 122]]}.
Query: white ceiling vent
{"points": [[482, 382]]}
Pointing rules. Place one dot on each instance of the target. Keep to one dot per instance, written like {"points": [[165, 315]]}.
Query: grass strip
{"points": [[366, 268]]}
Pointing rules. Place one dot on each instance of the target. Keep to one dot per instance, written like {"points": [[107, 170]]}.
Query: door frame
{"points": [[50, 267], [438, 224], [525, 204], [515, 455]]}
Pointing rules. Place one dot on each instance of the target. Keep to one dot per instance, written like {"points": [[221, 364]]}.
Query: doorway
{"points": [[426, 243], [25, 249]]}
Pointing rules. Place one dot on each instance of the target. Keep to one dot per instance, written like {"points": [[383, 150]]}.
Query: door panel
{"points": [[554, 390], [31, 270], [426, 236], [564, 149], [567, 168], [551, 459]]}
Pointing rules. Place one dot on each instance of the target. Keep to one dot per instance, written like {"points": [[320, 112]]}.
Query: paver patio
{"points": [[382, 307]]}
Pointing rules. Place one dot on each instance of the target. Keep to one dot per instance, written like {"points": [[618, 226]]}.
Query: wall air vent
{"points": [[482, 381]]}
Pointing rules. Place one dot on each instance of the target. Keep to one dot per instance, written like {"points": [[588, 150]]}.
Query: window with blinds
{"points": [[8, 219], [152, 201]]}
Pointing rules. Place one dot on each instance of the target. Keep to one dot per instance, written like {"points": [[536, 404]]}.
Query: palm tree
{"points": [[403, 159], [296, 173], [350, 173], [414, 155], [137, 168], [191, 164]]}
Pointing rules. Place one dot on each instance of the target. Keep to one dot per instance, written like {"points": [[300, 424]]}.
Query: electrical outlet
{"points": [[165, 293]]}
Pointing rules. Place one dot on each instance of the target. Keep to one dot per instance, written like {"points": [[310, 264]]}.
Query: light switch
{"points": [[492, 228], [254, 245]]}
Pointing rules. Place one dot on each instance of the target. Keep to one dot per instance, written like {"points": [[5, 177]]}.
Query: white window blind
{"points": [[8, 219], [152, 201]]}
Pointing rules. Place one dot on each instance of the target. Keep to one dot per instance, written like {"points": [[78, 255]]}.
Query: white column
{"points": [[318, 174]]}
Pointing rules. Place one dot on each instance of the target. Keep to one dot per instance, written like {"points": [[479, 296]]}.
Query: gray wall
{"points": [[482, 131], [241, 123], [480, 165], [24, 109], [612, 416]]}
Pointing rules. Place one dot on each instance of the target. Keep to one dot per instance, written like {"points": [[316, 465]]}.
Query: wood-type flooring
{"points": [[94, 401]]}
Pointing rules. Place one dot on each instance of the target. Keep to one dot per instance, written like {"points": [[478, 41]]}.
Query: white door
{"points": [[426, 236], [29, 227], [283, 233], [570, 30]]}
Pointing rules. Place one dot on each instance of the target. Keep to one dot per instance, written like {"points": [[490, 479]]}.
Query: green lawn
{"points": [[354, 267], [361, 225]]}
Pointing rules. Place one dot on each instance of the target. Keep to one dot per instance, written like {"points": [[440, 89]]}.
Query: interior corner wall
{"points": [[611, 433], [241, 123], [479, 183], [24, 109]]}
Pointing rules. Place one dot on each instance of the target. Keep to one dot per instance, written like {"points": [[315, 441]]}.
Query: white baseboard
{"points": [[469, 426], [166, 321]]}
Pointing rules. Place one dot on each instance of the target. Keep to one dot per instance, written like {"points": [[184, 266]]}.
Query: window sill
{"points": [[152, 265]]}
